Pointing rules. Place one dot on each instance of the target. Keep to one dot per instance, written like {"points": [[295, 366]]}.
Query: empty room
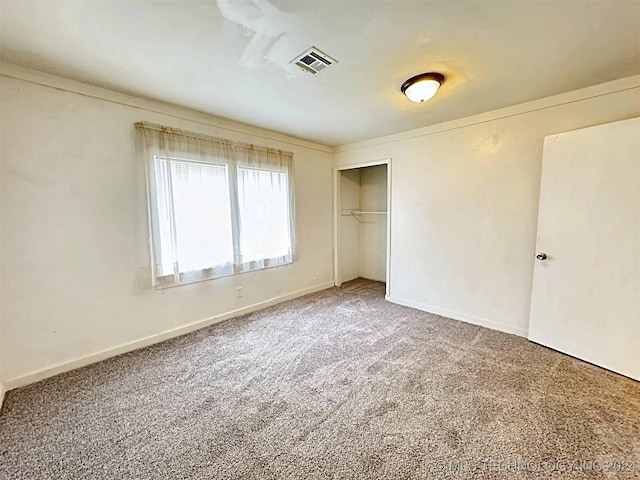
{"points": [[319, 239]]}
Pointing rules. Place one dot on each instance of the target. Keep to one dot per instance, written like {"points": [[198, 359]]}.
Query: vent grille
{"points": [[313, 61]]}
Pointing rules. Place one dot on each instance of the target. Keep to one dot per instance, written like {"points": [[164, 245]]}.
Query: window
{"points": [[215, 207]]}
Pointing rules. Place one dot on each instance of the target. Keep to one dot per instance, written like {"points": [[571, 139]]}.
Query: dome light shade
{"points": [[422, 87]]}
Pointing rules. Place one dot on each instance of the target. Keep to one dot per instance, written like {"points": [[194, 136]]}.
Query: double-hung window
{"points": [[216, 207]]}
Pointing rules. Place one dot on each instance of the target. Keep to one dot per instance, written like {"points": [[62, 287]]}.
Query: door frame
{"points": [[336, 217]]}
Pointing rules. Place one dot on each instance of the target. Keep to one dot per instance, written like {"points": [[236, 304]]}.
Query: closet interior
{"points": [[362, 226]]}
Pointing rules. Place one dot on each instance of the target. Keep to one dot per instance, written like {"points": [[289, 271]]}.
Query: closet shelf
{"points": [[354, 213]]}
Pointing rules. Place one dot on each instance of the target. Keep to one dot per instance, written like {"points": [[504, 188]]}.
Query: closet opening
{"points": [[362, 206]]}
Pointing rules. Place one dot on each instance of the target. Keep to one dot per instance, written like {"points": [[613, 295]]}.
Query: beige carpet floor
{"points": [[336, 385]]}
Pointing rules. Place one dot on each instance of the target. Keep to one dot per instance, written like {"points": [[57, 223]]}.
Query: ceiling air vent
{"points": [[313, 61]]}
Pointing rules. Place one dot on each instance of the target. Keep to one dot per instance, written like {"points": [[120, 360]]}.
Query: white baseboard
{"points": [[152, 339], [459, 316]]}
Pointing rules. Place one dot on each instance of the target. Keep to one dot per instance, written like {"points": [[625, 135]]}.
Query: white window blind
{"points": [[215, 207]]}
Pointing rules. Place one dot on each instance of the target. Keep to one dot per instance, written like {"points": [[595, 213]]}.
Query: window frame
{"points": [[236, 267]]}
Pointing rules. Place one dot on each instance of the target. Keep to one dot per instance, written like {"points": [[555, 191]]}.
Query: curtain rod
{"points": [[199, 136]]}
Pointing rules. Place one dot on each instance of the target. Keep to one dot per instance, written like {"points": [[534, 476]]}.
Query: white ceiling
{"points": [[230, 57]]}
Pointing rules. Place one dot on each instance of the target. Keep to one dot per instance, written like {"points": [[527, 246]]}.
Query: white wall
{"points": [[349, 226], [465, 202], [75, 267], [373, 228], [2, 389]]}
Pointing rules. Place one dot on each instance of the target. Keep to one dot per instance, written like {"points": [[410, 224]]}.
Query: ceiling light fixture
{"points": [[422, 87]]}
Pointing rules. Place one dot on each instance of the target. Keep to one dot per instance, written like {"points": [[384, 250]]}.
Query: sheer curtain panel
{"points": [[216, 207]]}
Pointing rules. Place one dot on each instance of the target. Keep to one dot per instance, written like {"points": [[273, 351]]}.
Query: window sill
{"points": [[163, 286]]}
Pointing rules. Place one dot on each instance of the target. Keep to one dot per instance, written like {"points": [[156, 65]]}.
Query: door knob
{"points": [[541, 256]]}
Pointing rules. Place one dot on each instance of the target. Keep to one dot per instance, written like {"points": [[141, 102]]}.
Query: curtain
{"points": [[216, 207]]}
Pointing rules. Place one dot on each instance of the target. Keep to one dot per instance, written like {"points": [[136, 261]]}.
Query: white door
{"points": [[586, 293]]}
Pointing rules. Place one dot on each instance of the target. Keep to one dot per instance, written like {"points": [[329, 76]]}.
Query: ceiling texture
{"points": [[231, 57]]}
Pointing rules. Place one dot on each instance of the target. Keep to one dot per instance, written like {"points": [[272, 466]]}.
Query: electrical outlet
{"points": [[238, 292]]}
